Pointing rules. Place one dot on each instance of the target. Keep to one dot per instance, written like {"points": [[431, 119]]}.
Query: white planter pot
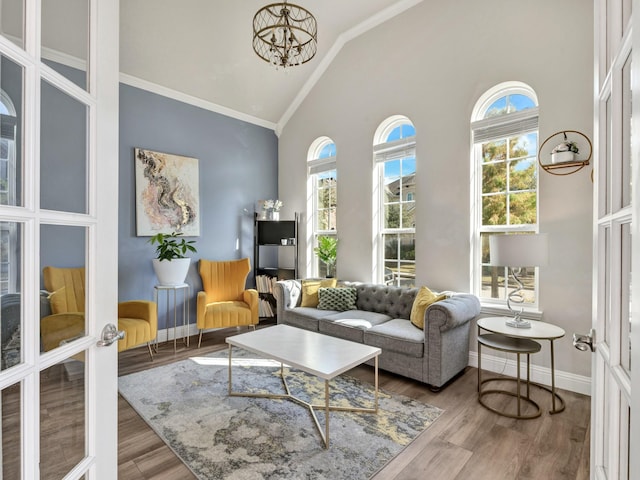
{"points": [[562, 157], [171, 272]]}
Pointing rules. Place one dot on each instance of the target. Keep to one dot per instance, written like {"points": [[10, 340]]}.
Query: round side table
{"points": [[538, 331], [519, 346]]}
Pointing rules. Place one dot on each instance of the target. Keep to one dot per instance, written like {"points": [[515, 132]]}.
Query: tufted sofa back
{"points": [[390, 300]]}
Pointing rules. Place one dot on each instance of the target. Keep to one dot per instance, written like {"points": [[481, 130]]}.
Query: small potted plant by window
{"points": [[564, 152], [327, 252], [171, 263]]}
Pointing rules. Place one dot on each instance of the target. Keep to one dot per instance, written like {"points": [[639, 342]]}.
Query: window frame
{"points": [[500, 127], [385, 151], [316, 165]]}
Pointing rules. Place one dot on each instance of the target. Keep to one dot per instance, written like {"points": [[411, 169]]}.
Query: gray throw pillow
{"points": [[339, 299]]}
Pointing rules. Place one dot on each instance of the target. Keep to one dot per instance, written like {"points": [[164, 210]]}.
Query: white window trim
{"points": [[314, 167], [500, 127]]}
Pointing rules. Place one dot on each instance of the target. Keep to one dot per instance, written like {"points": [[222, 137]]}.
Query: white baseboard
{"points": [[506, 366], [181, 331]]}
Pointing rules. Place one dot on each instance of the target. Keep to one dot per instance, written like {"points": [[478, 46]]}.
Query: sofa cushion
{"points": [[305, 317], [348, 329], [372, 317], [310, 290], [350, 325], [397, 335], [424, 298], [338, 299]]}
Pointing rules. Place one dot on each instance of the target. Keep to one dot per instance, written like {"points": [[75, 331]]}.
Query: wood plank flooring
{"points": [[467, 441]]}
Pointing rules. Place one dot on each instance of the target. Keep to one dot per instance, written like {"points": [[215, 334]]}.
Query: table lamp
{"points": [[516, 251]]}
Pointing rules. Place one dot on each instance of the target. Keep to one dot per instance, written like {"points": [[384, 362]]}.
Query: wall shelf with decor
{"points": [[565, 152], [275, 244]]}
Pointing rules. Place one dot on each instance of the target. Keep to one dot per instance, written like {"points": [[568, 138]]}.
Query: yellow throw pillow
{"points": [[424, 298], [310, 290]]}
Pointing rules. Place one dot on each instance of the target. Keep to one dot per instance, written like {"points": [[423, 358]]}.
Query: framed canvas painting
{"points": [[167, 196]]}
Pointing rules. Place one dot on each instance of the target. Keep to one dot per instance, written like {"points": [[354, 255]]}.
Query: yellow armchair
{"points": [[138, 318], [225, 301]]}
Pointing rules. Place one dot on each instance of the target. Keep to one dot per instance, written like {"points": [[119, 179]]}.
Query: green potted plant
{"points": [[171, 263], [327, 252]]}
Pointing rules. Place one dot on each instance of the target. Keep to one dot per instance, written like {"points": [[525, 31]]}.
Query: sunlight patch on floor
{"points": [[243, 362]]}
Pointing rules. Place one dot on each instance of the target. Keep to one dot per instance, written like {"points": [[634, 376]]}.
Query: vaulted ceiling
{"points": [[203, 49]]}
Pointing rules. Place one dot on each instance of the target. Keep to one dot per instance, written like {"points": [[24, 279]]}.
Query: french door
{"points": [[58, 136], [615, 400]]}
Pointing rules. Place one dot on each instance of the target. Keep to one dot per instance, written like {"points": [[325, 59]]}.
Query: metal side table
{"points": [[171, 299], [538, 331]]}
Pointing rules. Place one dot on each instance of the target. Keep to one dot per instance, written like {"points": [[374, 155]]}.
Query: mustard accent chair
{"points": [[225, 302], [138, 318]]}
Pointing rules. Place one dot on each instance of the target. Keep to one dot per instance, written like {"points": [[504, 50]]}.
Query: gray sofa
{"points": [[433, 356]]}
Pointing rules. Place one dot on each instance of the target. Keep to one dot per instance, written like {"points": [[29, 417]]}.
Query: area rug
{"points": [[222, 437]]}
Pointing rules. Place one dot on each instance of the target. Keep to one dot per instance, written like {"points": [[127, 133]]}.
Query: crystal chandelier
{"points": [[285, 34]]}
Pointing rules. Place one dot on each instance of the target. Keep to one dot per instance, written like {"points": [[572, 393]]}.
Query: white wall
{"points": [[431, 64]]}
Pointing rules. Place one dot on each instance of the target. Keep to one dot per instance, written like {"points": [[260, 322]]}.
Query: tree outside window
{"points": [[507, 195]]}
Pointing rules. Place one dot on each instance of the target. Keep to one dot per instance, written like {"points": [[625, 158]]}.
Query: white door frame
{"points": [[101, 224]]}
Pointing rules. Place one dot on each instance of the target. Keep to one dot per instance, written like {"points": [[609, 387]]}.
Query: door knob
{"points": [[110, 334], [584, 342]]}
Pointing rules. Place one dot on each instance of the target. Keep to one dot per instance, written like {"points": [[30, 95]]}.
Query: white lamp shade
{"points": [[519, 250]]}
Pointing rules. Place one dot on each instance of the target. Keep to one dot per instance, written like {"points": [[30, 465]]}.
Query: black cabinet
{"points": [[275, 258]]}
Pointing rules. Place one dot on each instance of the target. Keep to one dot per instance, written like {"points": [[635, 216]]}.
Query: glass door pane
{"points": [[63, 151], [11, 100], [62, 417], [65, 38], [62, 267], [12, 21]]}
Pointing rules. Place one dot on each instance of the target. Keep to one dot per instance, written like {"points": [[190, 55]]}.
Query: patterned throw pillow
{"points": [[310, 290], [339, 299]]}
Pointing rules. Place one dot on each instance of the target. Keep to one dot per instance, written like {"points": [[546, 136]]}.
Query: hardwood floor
{"points": [[467, 441]]}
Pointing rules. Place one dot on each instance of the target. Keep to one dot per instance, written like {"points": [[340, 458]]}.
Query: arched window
{"points": [[505, 192], [394, 152], [323, 202]]}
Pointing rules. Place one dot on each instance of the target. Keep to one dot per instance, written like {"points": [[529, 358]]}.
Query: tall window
{"points": [[8, 230], [505, 137], [323, 202], [395, 163]]}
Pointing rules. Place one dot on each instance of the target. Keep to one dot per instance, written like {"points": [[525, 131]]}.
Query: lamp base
{"points": [[518, 323]]}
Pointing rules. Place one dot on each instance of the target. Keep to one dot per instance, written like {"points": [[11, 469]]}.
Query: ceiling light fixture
{"points": [[285, 34]]}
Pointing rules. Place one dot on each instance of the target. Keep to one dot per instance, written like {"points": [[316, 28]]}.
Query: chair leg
{"points": [[253, 326], [200, 338], [150, 350]]}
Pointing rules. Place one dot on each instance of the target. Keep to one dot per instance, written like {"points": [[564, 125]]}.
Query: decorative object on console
{"points": [[516, 251], [167, 195], [285, 34], [171, 263]]}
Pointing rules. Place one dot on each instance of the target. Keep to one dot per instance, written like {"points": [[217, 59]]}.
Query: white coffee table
{"points": [[313, 353]]}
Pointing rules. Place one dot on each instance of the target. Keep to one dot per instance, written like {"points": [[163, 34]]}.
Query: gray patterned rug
{"points": [[221, 437]]}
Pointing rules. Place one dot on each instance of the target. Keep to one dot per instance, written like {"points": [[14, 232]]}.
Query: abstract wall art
{"points": [[167, 196]]}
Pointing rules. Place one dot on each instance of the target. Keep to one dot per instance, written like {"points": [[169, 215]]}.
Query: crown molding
{"points": [[191, 100], [363, 27]]}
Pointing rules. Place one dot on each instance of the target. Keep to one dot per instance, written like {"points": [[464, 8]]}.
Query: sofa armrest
{"points": [[288, 295], [452, 312], [250, 297]]}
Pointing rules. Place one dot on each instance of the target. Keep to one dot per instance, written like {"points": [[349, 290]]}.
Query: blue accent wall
{"points": [[238, 164]]}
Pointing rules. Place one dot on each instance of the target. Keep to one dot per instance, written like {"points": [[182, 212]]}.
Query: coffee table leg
{"points": [[326, 414], [229, 369], [376, 381]]}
